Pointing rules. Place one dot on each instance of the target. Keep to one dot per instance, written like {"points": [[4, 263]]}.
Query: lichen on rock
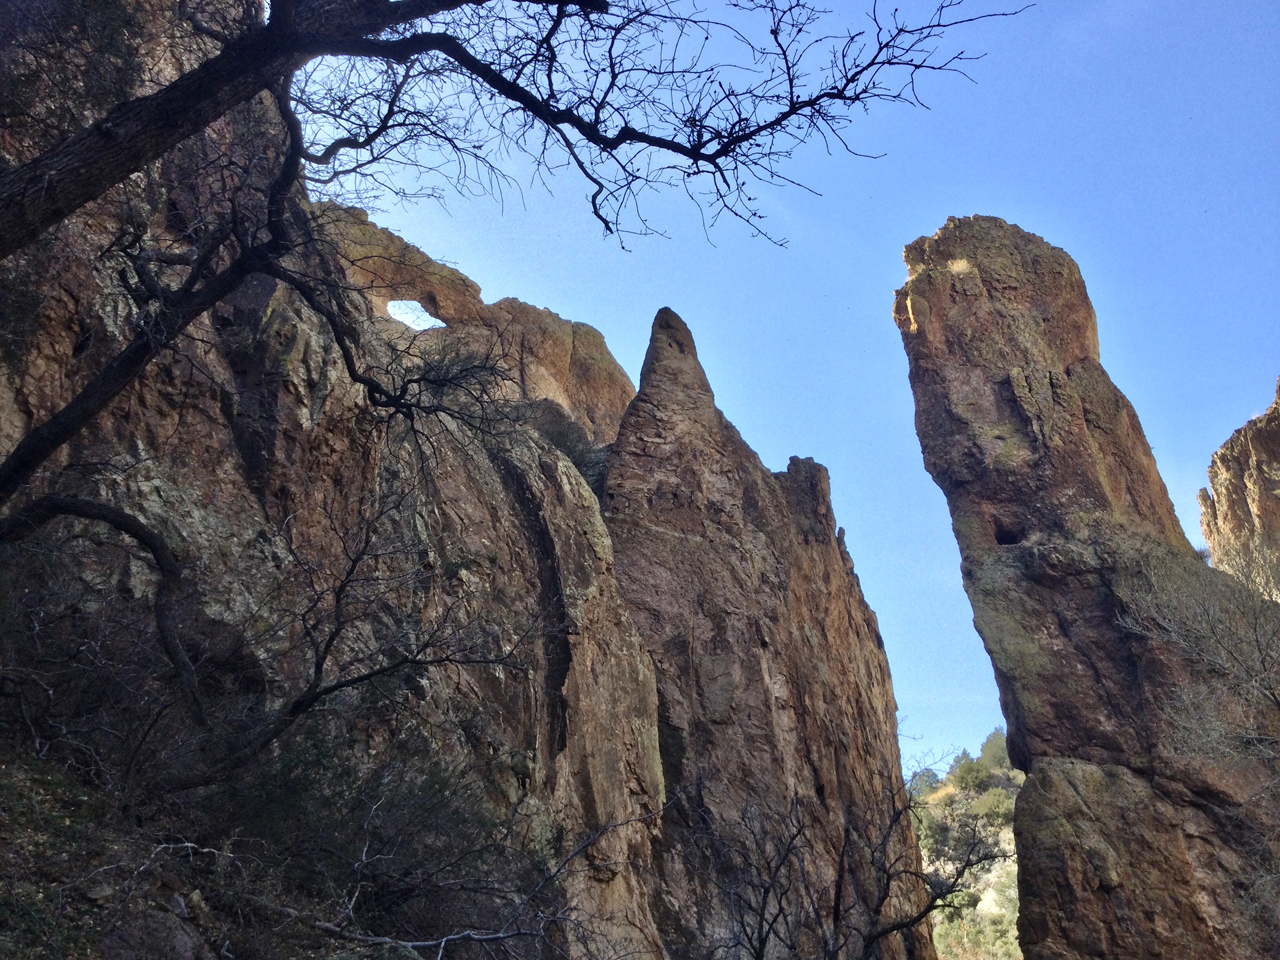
{"points": [[1066, 535]]}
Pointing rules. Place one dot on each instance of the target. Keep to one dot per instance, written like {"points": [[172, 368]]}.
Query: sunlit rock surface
{"points": [[1240, 510], [1133, 840], [772, 681], [252, 451], [548, 358]]}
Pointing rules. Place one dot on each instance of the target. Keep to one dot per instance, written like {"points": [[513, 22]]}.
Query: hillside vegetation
{"points": [[984, 923]]}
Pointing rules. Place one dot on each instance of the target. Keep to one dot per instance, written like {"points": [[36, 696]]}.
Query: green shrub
{"points": [[990, 933], [980, 793], [995, 751], [967, 774], [994, 806]]}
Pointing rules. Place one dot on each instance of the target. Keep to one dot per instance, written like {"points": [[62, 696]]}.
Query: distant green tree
{"points": [[995, 751], [967, 774], [958, 761], [995, 806], [924, 782], [981, 922]]}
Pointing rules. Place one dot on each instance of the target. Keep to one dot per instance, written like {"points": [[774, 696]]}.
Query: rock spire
{"points": [[773, 688], [1133, 839], [1240, 510]]}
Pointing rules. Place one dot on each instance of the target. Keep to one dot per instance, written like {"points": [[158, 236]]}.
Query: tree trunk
{"points": [[43, 192]]}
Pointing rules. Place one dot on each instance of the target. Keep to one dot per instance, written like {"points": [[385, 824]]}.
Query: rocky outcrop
{"points": [[1134, 840], [607, 684], [773, 687], [257, 458], [547, 357], [1240, 510], [252, 453]]}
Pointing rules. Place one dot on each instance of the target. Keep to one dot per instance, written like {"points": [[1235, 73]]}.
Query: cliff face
{"points": [[1134, 839], [259, 461], [745, 597], [1240, 511], [703, 641]]}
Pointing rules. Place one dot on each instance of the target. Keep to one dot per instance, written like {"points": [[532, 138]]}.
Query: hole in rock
{"points": [[412, 314], [1007, 534]]}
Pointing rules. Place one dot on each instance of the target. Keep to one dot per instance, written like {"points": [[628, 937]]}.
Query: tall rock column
{"points": [[1132, 841], [773, 687]]}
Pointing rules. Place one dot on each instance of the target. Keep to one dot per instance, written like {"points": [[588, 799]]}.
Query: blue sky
{"points": [[1139, 135]]}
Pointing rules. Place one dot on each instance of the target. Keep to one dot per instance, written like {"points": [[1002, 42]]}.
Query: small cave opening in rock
{"points": [[1009, 533], [412, 314]]}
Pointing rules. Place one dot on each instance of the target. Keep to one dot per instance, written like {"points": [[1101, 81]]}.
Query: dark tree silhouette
{"points": [[630, 93], [802, 883]]}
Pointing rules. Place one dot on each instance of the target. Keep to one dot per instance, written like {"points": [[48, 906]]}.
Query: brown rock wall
{"points": [[1240, 510], [253, 453], [713, 627], [1132, 841], [772, 682]]}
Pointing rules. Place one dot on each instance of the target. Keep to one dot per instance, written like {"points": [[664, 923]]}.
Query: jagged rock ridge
{"points": [[549, 358], [1240, 510], [252, 452], [1132, 842], [744, 595]]}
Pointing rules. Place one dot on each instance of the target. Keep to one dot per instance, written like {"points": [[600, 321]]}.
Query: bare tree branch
{"points": [[31, 518]]}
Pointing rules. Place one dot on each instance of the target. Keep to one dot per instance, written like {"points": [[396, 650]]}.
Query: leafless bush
{"points": [[795, 883], [1224, 707], [1228, 636], [111, 660]]}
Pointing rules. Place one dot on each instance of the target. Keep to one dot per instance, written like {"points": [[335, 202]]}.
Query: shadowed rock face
{"points": [[772, 681], [250, 449], [1240, 512], [1130, 843], [713, 628], [253, 420]]}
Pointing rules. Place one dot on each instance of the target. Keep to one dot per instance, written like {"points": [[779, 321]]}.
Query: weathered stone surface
{"points": [[254, 455], [1240, 510], [772, 681], [251, 446], [152, 935], [1130, 843], [548, 358]]}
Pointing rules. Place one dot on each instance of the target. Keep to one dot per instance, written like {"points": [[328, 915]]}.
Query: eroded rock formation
{"points": [[772, 681], [1240, 510], [256, 457], [709, 627], [613, 685], [548, 358], [1133, 839]]}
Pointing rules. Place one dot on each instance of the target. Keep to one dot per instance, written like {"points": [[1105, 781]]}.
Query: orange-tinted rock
{"points": [[250, 449], [772, 681], [1240, 511], [1130, 842], [548, 358]]}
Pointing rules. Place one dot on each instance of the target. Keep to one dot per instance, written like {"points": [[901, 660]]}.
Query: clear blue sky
{"points": [[1139, 135]]}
